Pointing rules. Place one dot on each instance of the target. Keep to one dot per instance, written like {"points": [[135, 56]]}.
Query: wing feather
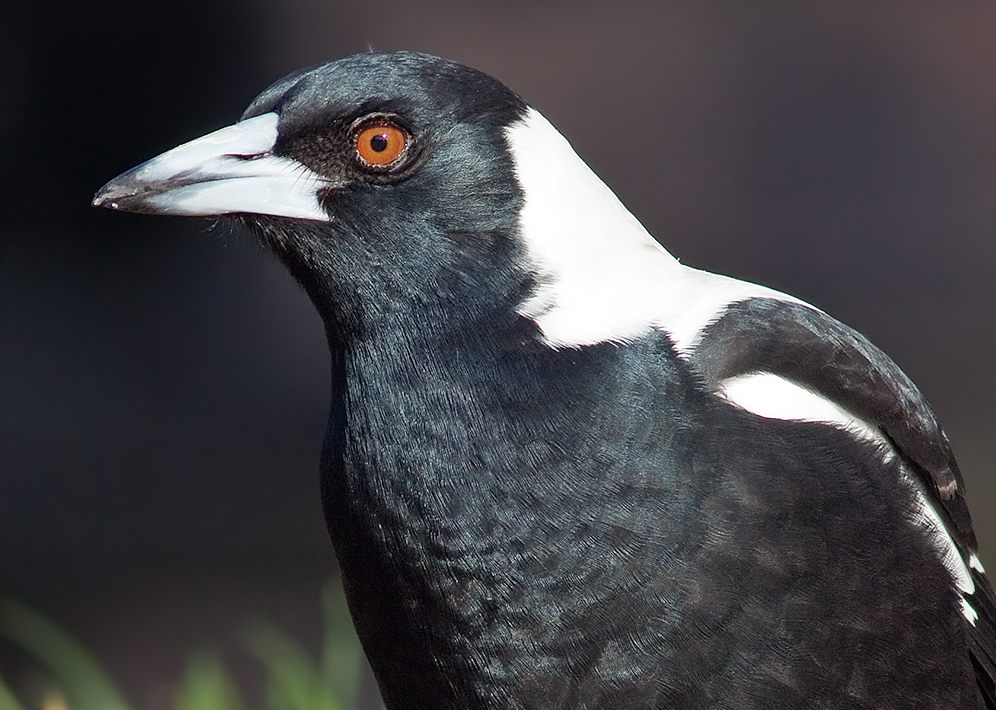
{"points": [[817, 352]]}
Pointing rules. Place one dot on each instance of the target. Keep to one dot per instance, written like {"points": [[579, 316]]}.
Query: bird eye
{"points": [[381, 146]]}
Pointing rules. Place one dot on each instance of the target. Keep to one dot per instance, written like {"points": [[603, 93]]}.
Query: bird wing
{"points": [[822, 355]]}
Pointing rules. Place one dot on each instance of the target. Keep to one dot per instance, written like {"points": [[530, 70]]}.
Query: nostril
{"points": [[248, 156]]}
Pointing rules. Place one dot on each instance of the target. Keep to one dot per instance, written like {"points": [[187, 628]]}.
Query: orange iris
{"points": [[380, 146]]}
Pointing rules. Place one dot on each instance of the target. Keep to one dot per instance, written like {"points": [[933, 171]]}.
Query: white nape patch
{"points": [[231, 170], [772, 396], [603, 277]]}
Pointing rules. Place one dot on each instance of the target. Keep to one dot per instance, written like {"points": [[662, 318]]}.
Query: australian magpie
{"points": [[563, 469]]}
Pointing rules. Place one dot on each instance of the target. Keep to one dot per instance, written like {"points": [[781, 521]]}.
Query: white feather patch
{"points": [[968, 611], [775, 397], [603, 277], [975, 563]]}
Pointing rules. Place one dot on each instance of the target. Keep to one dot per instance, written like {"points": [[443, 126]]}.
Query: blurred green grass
{"points": [[68, 676]]}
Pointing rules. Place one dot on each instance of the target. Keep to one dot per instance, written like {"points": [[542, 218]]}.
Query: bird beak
{"points": [[230, 170]]}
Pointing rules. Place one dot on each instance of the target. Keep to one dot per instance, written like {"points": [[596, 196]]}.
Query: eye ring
{"points": [[381, 145]]}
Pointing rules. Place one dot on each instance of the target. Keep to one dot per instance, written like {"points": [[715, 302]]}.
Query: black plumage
{"points": [[524, 521]]}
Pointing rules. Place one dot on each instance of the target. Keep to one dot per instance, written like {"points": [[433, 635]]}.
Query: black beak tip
{"points": [[101, 199], [109, 194], [122, 194]]}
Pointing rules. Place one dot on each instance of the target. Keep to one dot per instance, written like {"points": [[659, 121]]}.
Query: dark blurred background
{"points": [[164, 386]]}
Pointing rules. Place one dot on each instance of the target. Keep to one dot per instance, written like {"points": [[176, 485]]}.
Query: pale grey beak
{"points": [[230, 170]]}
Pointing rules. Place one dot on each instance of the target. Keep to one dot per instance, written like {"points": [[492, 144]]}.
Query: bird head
{"points": [[404, 185]]}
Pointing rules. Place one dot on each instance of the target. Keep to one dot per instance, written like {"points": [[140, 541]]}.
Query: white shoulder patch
{"points": [[602, 276], [775, 397]]}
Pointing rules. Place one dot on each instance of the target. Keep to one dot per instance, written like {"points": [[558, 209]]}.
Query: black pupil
{"points": [[379, 143]]}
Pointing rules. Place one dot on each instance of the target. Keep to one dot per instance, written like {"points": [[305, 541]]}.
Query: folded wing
{"points": [[793, 343]]}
